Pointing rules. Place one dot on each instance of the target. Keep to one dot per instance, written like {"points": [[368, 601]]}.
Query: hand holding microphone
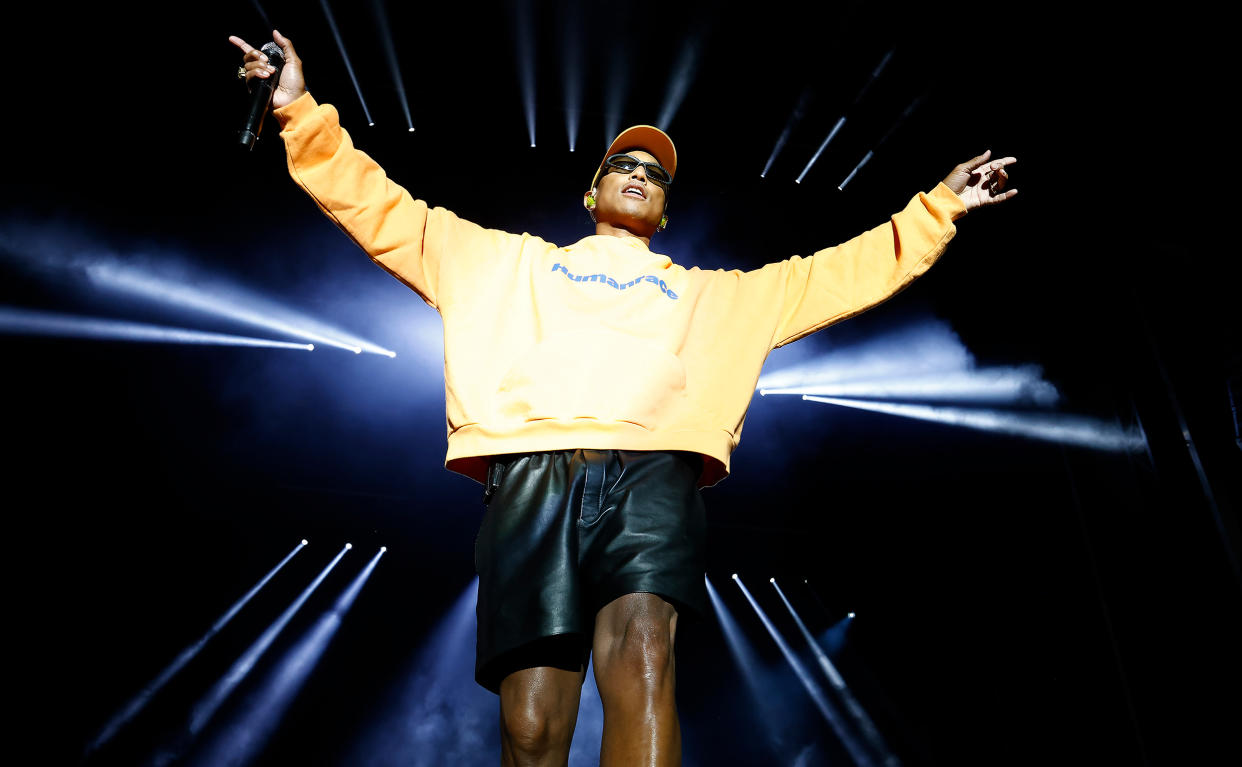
{"points": [[274, 76]]}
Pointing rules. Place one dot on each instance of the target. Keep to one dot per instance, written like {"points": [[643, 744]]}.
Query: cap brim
{"points": [[647, 138]]}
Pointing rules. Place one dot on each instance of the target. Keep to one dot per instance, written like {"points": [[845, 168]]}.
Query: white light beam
{"points": [[830, 714], [340, 44], [210, 703], [139, 701], [1065, 429], [39, 323], [1001, 385], [223, 300], [838, 683]]}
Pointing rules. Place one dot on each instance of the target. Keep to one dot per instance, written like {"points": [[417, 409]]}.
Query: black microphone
{"points": [[261, 92]]}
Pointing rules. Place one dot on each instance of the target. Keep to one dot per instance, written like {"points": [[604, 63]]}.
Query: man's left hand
{"points": [[980, 181]]}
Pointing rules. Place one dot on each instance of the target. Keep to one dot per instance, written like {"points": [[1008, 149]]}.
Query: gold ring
{"points": [[241, 73]]}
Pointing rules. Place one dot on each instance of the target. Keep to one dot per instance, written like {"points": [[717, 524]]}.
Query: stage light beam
{"points": [[139, 701], [221, 299], [253, 725], [883, 139], [525, 41], [865, 725], [616, 65], [829, 712], [1000, 385], [435, 713], [390, 54], [680, 81], [1062, 428], [748, 664], [340, 44], [206, 708], [831, 134], [795, 117], [866, 159], [875, 75], [573, 64], [39, 323]]}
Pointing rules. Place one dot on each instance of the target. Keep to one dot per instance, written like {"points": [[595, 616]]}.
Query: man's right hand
{"points": [[291, 84]]}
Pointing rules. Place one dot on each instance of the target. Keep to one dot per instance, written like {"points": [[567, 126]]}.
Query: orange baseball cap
{"points": [[647, 138]]}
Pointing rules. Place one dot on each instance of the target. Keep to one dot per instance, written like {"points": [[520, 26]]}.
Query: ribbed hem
{"points": [[470, 447]]}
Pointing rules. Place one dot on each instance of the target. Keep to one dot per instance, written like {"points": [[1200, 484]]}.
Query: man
{"points": [[593, 390]]}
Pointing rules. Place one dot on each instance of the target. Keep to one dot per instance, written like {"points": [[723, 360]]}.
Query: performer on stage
{"points": [[593, 390]]}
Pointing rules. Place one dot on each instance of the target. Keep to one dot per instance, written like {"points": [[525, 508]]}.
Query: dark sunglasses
{"points": [[623, 163]]}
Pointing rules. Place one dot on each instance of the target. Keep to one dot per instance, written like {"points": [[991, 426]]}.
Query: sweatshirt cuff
{"points": [[945, 198], [300, 107]]}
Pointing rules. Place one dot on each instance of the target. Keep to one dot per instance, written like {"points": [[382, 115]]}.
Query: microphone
{"points": [[261, 95]]}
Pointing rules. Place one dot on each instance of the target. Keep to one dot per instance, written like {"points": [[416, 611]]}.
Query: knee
{"points": [[532, 729], [640, 653]]}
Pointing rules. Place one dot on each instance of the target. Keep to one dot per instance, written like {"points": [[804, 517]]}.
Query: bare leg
{"points": [[634, 670], [538, 713]]}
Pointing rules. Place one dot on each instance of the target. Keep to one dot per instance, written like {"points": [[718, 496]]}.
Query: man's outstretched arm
{"points": [[400, 233], [837, 283]]}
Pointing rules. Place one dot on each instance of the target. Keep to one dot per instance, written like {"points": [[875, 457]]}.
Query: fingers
{"points": [[971, 165], [259, 68], [286, 45], [255, 62], [240, 43], [996, 175]]}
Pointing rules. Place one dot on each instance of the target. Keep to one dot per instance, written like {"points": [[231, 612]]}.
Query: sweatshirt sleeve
{"points": [[401, 234], [839, 282]]}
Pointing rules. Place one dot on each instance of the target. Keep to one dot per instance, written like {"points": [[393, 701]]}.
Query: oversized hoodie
{"points": [[602, 344]]}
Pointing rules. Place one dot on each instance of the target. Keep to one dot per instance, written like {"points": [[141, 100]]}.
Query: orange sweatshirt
{"points": [[603, 344]]}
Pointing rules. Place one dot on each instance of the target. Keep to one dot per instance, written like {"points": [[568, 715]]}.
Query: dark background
{"points": [[1018, 602]]}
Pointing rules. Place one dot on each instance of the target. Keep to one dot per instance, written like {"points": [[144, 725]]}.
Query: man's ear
{"points": [[588, 202]]}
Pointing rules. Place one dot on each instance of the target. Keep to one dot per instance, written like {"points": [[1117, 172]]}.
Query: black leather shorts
{"points": [[566, 533]]}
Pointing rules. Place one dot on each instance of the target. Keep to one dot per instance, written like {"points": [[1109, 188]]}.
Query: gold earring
{"points": [[663, 224]]}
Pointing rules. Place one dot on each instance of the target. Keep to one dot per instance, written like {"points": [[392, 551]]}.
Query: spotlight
{"points": [[826, 708], [140, 701], [349, 546], [794, 117], [525, 36], [1061, 428], [260, 715], [866, 159], [679, 82], [850, 616], [852, 706], [304, 541], [383, 548], [201, 292], [39, 323], [340, 44], [206, 708], [390, 54], [831, 134]]}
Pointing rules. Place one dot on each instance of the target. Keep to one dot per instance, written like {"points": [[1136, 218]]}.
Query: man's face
{"points": [[630, 197]]}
